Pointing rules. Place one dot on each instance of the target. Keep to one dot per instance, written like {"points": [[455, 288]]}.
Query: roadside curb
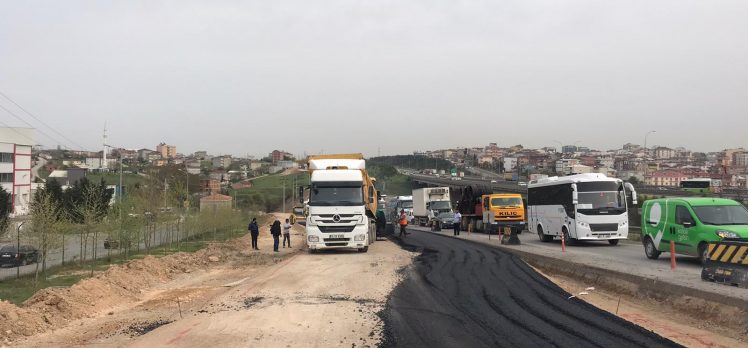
{"points": [[716, 308]]}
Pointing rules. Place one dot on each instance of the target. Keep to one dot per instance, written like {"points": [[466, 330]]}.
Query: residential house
{"points": [[215, 202], [166, 151], [222, 161], [669, 178]]}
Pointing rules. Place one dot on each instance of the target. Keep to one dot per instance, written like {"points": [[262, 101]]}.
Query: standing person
{"points": [[457, 223], [403, 223], [275, 230], [287, 233], [254, 231]]}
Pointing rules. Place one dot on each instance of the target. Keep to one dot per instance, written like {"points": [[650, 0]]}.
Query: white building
{"points": [[15, 166], [510, 163], [222, 161]]}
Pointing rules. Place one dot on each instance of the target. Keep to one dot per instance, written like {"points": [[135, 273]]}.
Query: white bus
{"points": [[579, 207]]}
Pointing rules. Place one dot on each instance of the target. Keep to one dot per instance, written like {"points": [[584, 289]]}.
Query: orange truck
{"points": [[484, 210]]}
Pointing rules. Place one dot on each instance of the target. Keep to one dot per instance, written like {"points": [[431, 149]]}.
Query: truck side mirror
{"points": [[574, 194], [301, 194]]}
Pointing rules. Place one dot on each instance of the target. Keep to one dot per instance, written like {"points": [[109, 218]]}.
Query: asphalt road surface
{"points": [[464, 294]]}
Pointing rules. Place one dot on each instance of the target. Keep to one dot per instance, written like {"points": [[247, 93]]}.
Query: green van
{"points": [[691, 223]]}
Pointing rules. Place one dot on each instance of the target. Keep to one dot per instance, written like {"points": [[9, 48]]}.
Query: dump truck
{"points": [[485, 210], [342, 205]]}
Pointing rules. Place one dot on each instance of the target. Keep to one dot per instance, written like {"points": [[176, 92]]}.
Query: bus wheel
{"points": [[543, 237], [613, 242], [703, 253], [650, 250], [567, 238]]}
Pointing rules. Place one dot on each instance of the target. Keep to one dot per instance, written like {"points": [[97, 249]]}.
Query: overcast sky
{"points": [[242, 77]]}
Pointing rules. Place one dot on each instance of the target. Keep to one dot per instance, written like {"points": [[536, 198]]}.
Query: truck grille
{"points": [[336, 244], [336, 229], [329, 216], [603, 227]]}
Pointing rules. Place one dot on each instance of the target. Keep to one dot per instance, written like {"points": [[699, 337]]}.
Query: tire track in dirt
{"points": [[465, 294]]}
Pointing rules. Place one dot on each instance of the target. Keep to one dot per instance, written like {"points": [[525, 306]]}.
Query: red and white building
{"points": [[15, 166], [670, 178]]}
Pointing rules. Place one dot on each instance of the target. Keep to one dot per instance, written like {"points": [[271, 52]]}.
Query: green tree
{"points": [[634, 180], [46, 226]]}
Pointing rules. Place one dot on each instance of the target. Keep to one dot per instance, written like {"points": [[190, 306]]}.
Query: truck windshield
{"points": [[722, 215], [440, 205], [336, 193], [601, 198], [406, 204], [506, 202]]}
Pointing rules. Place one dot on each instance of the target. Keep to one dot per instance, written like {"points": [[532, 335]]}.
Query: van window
{"points": [[722, 214], [682, 215]]}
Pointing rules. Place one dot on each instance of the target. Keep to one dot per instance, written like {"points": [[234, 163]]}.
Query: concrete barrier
{"points": [[727, 263]]}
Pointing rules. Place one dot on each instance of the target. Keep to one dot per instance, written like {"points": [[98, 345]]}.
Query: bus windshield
{"points": [[406, 204], [601, 198], [722, 215]]}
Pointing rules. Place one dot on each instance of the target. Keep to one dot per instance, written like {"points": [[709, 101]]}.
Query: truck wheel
{"points": [[363, 250], [613, 242], [650, 250]]}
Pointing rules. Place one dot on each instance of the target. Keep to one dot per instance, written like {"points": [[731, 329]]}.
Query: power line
{"points": [[32, 126], [40, 121]]}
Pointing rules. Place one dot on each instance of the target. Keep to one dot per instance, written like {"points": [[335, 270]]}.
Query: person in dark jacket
{"points": [[254, 231], [275, 230]]}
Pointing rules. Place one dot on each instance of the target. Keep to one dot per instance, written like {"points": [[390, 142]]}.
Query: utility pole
{"points": [[103, 156], [18, 247]]}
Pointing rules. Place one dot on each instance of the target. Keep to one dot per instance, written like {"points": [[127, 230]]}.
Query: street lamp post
{"points": [[18, 248]]}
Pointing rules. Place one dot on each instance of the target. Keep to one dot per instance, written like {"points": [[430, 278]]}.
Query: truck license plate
{"points": [[337, 236]]}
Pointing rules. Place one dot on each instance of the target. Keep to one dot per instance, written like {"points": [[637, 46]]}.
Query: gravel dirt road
{"points": [[464, 294], [310, 300]]}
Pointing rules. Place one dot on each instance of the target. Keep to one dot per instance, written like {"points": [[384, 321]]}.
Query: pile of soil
{"points": [[118, 286]]}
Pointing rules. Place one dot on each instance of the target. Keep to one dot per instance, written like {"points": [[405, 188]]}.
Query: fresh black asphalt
{"points": [[463, 294]]}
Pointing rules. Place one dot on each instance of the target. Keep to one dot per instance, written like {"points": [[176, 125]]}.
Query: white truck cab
{"points": [[337, 207]]}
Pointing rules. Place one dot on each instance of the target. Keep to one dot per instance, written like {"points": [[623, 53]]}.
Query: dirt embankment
{"points": [[121, 286]]}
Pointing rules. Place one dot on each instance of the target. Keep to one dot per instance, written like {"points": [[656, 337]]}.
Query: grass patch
{"points": [[129, 180], [266, 192]]}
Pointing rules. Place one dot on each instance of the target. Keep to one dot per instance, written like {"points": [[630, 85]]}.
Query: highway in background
{"points": [[500, 185]]}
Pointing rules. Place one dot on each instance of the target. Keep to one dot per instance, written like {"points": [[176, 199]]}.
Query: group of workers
{"points": [[275, 231]]}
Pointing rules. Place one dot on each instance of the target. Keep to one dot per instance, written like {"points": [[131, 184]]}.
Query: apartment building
{"points": [[15, 166]]}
